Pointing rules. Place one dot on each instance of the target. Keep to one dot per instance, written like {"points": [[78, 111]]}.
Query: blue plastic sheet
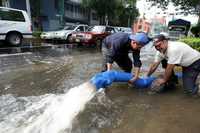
{"points": [[102, 80]]}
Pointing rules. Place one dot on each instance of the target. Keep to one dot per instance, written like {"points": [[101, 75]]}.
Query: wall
{"points": [[48, 12], [18, 4]]}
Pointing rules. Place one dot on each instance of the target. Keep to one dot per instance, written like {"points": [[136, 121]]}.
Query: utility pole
{"points": [[28, 8]]}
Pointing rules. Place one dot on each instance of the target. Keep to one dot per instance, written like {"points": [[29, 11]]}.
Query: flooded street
{"points": [[33, 79]]}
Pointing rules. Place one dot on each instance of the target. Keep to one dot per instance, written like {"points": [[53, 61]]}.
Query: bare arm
{"points": [[137, 72], [152, 68], [168, 72], [109, 66], [167, 75]]}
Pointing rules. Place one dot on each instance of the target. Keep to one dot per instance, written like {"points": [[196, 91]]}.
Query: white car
{"points": [[14, 25], [67, 32], [125, 29], [48, 35]]}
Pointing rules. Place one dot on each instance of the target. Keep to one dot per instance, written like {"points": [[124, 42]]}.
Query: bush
{"points": [[37, 34], [196, 30], [193, 42]]}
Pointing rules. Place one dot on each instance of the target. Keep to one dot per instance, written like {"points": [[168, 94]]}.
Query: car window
{"points": [[72, 27], [97, 29], [110, 29], [127, 30], [11, 15], [86, 28], [80, 28]]}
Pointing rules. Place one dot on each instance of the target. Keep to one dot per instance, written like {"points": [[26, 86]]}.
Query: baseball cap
{"points": [[141, 38]]}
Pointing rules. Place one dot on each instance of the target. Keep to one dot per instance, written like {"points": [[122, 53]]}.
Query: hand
{"points": [[159, 81], [131, 81], [157, 85]]}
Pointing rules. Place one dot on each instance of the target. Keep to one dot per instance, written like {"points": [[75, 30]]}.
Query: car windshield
{"points": [[97, 29], [72, 27]]}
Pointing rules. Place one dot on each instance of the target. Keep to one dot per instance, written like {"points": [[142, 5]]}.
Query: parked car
{"points": [[65, 33], [47, 35], [14, 25], [93, 36], [125, 29]]}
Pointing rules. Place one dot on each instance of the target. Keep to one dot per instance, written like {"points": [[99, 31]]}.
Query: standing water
{"points": [[57, 114], [34, 98]]}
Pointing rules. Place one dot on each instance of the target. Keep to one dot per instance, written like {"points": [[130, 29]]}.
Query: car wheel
{"points": [[14, 39], [69, 39]]}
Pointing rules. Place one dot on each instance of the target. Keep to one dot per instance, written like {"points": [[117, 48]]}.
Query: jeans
{"points": [[190, 75]]}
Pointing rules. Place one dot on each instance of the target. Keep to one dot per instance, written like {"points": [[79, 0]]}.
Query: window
{"points": [[80, 28], [110, 30], [11, 15], [94, 16]]}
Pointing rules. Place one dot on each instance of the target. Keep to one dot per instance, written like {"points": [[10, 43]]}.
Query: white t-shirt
{"points": [[178, 53]]}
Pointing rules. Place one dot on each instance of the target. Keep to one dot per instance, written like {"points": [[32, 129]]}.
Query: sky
{"points": [[150, 12]]}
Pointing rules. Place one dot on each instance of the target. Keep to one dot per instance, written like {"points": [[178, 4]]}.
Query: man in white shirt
{"points": [[177, 53]]}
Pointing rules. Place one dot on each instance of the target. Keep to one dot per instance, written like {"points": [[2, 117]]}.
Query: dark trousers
{"points": [[123, 61], [190, 75]]}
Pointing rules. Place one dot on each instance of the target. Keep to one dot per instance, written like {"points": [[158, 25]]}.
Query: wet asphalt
{"points": [[52, 69]]}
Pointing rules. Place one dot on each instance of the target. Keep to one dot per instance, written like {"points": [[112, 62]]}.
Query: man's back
{"points": [[180, 53]]}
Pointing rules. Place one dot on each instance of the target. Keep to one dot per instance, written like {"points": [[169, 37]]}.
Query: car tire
{"points": [[14, 38], [69, 39]]}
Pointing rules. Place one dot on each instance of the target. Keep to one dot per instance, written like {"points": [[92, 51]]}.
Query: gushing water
{"points": [[50, 114]]}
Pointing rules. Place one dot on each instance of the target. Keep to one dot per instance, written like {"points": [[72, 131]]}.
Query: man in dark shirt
{"points": [[116, 48]]}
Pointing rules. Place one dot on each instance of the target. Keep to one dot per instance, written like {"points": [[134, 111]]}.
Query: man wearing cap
{"points": [[177, 53], [115, 48]]}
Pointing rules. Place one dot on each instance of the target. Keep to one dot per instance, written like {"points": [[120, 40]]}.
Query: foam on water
{"points": [[51, 114]]}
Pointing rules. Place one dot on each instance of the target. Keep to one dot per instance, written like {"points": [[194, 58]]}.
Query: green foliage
{"points": [[196, 30], [126, 13], [193, 42], [117, 11], [36, 6], [37, 34]]}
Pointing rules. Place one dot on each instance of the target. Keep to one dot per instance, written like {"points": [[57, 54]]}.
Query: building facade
{"points": [[75, 13], [158, 25], [55, 14]]}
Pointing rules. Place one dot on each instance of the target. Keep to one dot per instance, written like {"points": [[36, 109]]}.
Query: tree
{"points": [[104, 8], [126, 12], [113, 11], [187, 6], [36, 13]]}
